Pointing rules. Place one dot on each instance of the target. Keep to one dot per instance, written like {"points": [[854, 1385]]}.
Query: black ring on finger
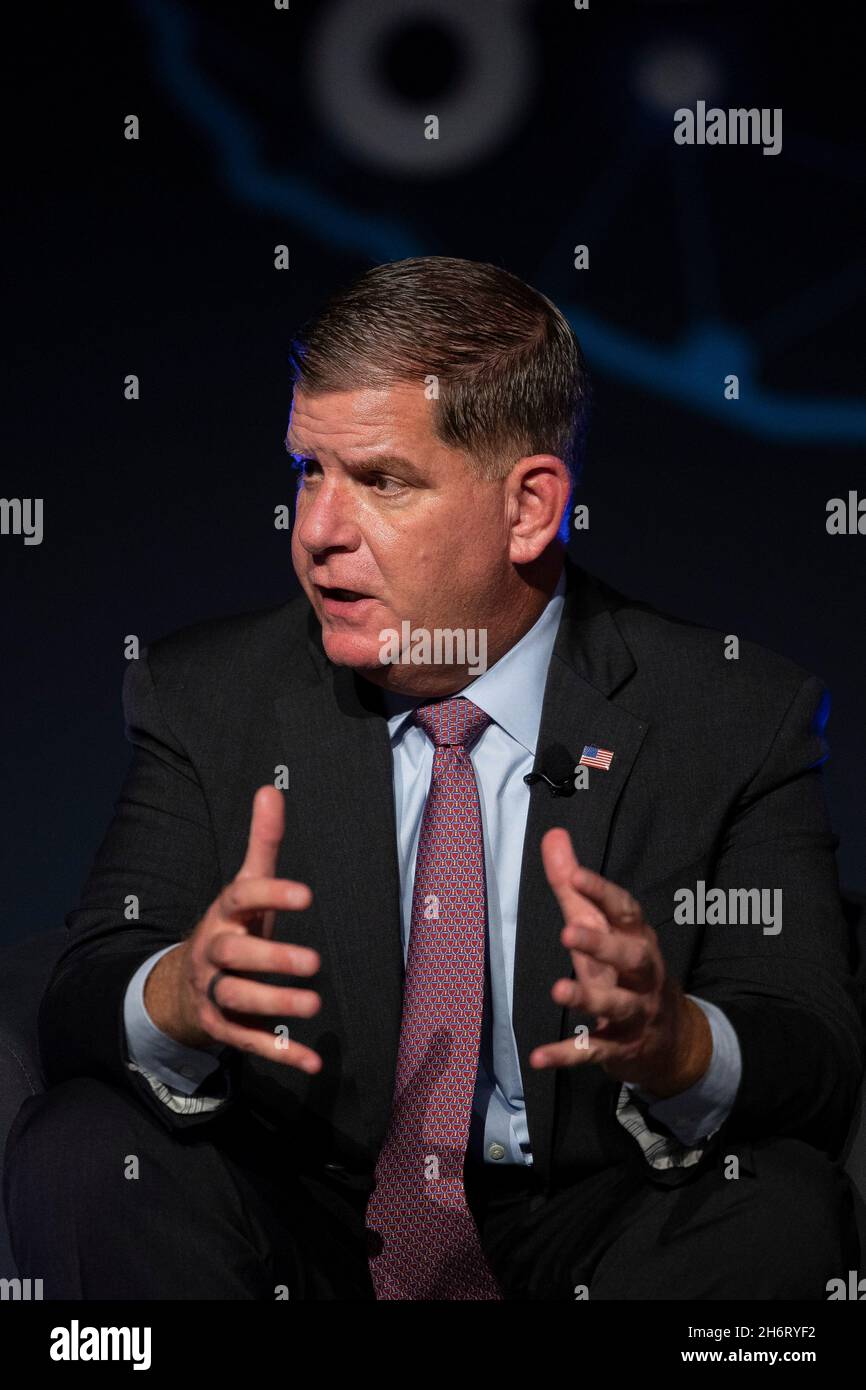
{"points": [[211, 989]]}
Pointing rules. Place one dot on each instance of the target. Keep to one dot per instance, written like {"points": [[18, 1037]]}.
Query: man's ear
{"points": [[540, 489]]}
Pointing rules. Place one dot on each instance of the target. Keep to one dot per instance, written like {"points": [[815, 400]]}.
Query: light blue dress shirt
{"points": [[512, 693]]}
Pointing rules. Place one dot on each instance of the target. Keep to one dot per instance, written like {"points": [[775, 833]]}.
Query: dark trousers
{"points": [[104, 1202]]}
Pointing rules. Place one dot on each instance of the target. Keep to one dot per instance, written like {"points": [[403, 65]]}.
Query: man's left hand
{"points": [[647, 1030]]}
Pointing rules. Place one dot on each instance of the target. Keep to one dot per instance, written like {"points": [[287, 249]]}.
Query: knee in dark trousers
{"points": [[780, 1229], [105, 1202]]}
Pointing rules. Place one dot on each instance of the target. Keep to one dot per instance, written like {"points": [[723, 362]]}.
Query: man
{"points": [[426, 1029]]}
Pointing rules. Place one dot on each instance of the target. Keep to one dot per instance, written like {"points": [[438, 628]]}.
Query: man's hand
{"points": [[234, 935], [647, 1030]]}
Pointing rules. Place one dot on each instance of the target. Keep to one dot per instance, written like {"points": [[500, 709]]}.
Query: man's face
{"points": [[398, 519]]}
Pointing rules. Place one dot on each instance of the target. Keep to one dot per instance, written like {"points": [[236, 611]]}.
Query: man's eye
{"points": [[306, 468], [383, 478]]}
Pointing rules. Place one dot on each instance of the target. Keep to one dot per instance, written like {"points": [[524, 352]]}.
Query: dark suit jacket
{"points": [[715, 776]]}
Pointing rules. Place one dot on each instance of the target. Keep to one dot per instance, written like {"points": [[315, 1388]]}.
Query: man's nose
{"points": [[325, 517]]}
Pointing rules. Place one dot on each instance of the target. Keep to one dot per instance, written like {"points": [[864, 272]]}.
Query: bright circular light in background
{"points": [[373, 120], [671, 75]]}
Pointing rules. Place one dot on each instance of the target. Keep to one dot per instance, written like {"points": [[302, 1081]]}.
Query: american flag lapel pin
{"points": [[593, 756]]}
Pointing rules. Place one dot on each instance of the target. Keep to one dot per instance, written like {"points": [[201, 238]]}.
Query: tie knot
{"points": [[455, 722]]}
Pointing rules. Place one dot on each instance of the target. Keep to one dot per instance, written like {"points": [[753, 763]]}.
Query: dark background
{"points": [[261, 127]]}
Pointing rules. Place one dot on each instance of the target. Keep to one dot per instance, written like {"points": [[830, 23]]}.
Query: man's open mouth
{"points": [[342, 595]]}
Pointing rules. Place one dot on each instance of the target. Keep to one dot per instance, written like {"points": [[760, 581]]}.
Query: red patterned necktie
{"points": [[424, 1243]]}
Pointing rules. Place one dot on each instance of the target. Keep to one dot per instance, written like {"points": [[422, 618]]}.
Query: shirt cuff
{"points": [[178, 1066], [698, 1112]]}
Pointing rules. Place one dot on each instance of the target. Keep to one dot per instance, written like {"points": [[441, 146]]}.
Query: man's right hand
{"points": [[234, 934]]}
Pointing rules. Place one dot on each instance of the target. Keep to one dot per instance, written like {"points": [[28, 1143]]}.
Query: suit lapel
{"points": [[590, 660], [341, 796]]}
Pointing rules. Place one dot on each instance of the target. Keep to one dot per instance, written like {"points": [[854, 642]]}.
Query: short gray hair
{"points": [[510, 374]]}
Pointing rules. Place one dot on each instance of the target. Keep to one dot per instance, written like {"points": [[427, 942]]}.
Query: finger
{"points": [[236, 994], [246, 897], [562, 870], [620, 1005], [618, 905], [266, 832], [236, 951], [632, 957], [572, 1052], [272, 1046]]}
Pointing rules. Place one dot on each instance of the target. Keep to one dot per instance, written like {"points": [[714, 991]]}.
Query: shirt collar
{"points": [[511, 691]]}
